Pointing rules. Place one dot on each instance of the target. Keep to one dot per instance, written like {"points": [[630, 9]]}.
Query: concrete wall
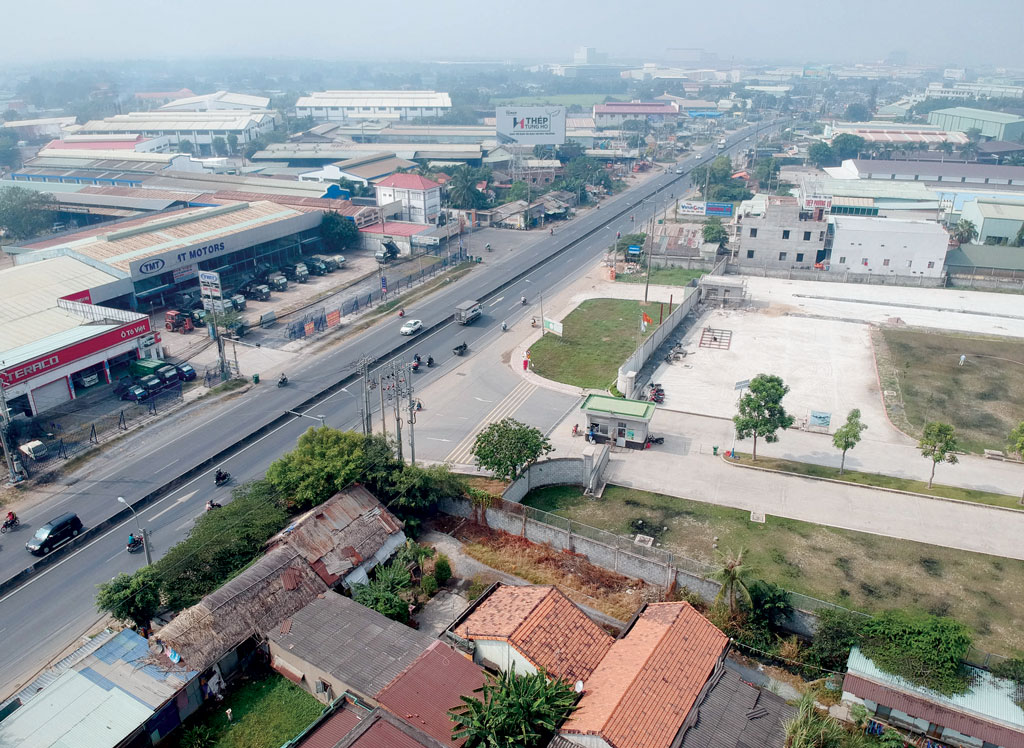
{"points": [[835, 276], [572, 471], [501, 655], [639, 357], [689, 263]]}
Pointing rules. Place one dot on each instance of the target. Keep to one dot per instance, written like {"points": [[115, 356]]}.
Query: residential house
{"points": [[988, 715], [334, 645], [275, 587], [420, 197], [345, 537], [362, 170], [532, 628], [112, 697], [644, 688], [381, 729]]}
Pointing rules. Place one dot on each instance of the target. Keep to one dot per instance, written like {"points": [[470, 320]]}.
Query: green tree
{"points": [[518, 191], [925, 649], [713, 231], [186, 146], [442, 569], [508, 447], [383, 593], [420, 488], [947, 150], [131, 597], [219, 145], [837, 632], [324, 461], [220, 543], [232, 143], [25, 213], [965, 231], [857, 112], [973, 134], [733, 576], [813, 729], [766, 171], [569, 151], [969, 150], [760, 410], [462, 191], [10, 154], [513, 710], [337, 231], [848, 435], [253, 147], [821, 154], [847, 146], [1015, 442], [939, 444]]}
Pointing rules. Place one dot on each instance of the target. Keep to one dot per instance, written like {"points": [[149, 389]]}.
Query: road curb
{"points": [[734, 463]]}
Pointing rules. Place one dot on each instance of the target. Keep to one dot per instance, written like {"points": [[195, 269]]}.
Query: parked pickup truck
{"points": [[466, 312]]}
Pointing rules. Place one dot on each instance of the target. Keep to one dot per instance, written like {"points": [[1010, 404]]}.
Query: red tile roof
{"points": [[544, 626], [640, 694], [428, 688], [408, 182]]}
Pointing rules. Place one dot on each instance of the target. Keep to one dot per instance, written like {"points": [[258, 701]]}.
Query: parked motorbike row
{"points": [[656, 393]]}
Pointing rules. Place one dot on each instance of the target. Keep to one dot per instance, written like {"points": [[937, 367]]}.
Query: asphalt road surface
{"points": [[55, 607]]}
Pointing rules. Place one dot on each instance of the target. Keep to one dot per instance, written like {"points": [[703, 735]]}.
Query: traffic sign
{"points": [[742, 384]]}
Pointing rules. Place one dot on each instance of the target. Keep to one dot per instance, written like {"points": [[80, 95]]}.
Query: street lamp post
{"points": [[322, 419], [142, 532]]}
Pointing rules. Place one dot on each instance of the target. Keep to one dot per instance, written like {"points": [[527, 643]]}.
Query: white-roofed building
{"points": [[219, 100], [997, 220], [198, 127], [386, 105]]}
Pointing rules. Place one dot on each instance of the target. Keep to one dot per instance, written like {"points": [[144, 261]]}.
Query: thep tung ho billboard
{"points": [[531, 125]]}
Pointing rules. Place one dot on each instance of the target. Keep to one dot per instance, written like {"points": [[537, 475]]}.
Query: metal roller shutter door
{"points": [[51, 395]]}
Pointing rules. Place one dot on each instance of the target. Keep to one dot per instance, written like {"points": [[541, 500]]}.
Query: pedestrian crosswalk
{"points": [[463, 452]]}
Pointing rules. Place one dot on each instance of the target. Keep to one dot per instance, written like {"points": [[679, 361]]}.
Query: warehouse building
{"points": [[994, 125], [55, 336], [386, 105], [217, 101], [103, 168], [162, 255], [200, 128], [935, 173], [997, 220], [617, 113]]}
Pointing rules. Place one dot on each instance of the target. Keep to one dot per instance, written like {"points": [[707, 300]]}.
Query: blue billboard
{"points": [[718, 209]]}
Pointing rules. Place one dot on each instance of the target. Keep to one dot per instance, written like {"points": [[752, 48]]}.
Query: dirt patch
{"points": [[490, 485], [583, 582]]}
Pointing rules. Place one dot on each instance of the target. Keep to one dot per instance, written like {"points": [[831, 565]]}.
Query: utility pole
{"points": [[412, 423], [367, 419]]}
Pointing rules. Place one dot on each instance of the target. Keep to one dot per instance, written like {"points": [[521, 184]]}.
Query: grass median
{"points": [[858, 570], [597, 337], [884, 481]]}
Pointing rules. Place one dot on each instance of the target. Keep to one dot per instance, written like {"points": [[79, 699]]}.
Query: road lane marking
{"points": [[182, 500], [462, 453]]}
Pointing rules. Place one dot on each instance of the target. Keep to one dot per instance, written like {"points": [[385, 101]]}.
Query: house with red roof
{"points": [[420, 198]]}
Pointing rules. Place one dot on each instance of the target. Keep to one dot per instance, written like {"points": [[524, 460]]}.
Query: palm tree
{"points": [[969, 151], [965, 231], [947, 150], [812, 729], [462, 191], [733, 577]]}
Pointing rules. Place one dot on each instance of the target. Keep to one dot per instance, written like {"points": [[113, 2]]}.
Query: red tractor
{"points": [[176, 321]]}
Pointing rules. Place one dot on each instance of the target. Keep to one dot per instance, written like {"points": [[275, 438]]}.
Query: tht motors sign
{"points": [[531, 125], [28, 369]]}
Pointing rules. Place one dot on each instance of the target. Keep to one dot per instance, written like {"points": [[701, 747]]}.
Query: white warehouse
{"points": [[885, 246], [198, 127], [383, 105]]}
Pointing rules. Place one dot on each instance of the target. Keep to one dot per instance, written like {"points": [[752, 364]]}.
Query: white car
{"points": [[412, 327], [699, 155]]}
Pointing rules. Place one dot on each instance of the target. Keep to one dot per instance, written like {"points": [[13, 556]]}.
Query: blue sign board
{"points": [[384, 284], [634, 249], [718, 209]]}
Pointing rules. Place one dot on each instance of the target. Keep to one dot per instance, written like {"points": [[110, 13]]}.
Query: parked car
{"points": [[167, 374], [56, 532], [186, 372], [338, 260], [150, 383], [317, 266], [412, 327], [124, 384], [259, 292], [135, 393]]}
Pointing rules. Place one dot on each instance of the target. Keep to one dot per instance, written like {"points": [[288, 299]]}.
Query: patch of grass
{"points": [[984, 399], [228, 386], [266, 713], [598, 336], [865, 572], [883, 481], [662, 276]]}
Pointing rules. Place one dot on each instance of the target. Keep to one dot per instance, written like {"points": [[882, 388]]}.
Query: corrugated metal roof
{"points": [[381, 729], [968, 257], [984, 115], [1004, 209], [175, 121], [74, 712], [989, 697], [376, 99], [225, 97], [736, 714], [333, 730]]}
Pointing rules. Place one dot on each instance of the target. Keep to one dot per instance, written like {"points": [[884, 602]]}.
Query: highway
{"points": [[56, 606]]}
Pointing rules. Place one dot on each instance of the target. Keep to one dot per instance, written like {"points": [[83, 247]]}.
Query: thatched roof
{"points": [[256, 600], [348, 529]]}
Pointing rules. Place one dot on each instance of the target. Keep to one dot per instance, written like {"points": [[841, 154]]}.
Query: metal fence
{"points": [[304, 322], [63, 443]]}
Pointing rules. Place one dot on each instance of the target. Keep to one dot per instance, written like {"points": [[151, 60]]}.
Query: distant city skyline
{"points": [[933, 32]]}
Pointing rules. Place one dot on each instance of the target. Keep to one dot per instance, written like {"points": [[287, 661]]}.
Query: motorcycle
{"points": [[655, 439], [504, 326], [221, 479], [282, 382], [401, 312], [415, 365], [430, 361], [134, 545], [460, 349], [211, 505], [10, 524], [522, 300]]}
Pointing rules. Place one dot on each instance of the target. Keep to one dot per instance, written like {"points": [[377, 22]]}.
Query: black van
{"points": [[54, 533]]}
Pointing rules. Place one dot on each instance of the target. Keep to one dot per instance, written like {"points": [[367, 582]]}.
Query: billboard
{"points": [[690, 208], [531, 125], [718, 209]]}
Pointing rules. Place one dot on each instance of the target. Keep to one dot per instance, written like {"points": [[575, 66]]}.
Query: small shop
{"points": [[617, 421]]}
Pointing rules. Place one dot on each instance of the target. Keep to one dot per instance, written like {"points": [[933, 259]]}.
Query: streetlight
{"points": [[145, 540], [322, 419]]}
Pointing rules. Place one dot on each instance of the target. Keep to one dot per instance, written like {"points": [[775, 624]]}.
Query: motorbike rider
{"points": [[283, 379], [522, 300], [132, 540], [430, 360], [11, 519], [211, 504], [220, 476]]}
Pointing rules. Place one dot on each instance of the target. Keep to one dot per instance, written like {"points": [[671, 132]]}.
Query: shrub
{"points": [[1011, 670], [769, 605], [838, 632], [442, 569], [199, 736], [925, 649], [428, 585]]}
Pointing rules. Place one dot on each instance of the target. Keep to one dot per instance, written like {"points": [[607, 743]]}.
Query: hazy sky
{"points": [[957, 32]]}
